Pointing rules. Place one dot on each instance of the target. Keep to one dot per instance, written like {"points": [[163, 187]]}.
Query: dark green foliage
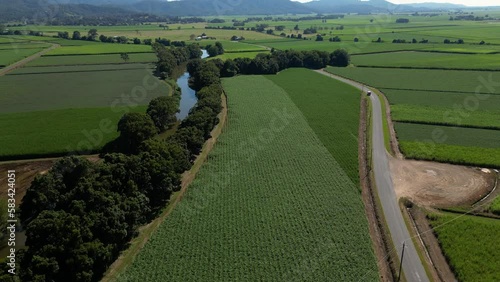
{"points": [[191, 138], [80, 215], [162, 111], [135, 128], [172, 57], [215, 50], [340, 58]]}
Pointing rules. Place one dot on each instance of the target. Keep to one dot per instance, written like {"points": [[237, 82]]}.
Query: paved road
{"points": [[24, 61], [412, 266]]}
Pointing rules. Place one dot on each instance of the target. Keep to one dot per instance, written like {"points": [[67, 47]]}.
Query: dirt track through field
{"points": [[24, 61]]}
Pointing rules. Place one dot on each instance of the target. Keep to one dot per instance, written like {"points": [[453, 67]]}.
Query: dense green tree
{"points": [[76, 35], [191, 138], [162, 111], [135, 128], [229, 69], [92, 34], [339, 58]]}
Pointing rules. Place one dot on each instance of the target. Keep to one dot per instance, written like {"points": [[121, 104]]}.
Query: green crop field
{"points": [[270, 204], [92, 59], [16, 46], [412, 79], [461, 136], [475, 156], [9, 56], [446, 116], [429, 60], [485, 102], [101, 48], [47, 110], [317, 104], [79, 89], [59, 132], [469, 243]]}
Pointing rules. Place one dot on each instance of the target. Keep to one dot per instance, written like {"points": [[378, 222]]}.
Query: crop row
{"points": [[468, 243], [270, 204]]}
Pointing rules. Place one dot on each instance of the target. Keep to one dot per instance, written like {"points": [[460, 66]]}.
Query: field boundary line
{"points": [[145, 233], [26, 60]]}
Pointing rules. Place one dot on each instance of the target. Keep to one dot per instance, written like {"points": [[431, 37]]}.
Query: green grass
{"points": [[331, 109], [146, 68], [58, 132], [446, 116], [462, 155], [469, 244], [102, 48], [450, 135], [429, 60], [270, 204], [64, 88], [10, 56], [92, 59]]}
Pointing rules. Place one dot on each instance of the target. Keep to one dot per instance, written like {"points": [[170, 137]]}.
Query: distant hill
{"points": [[351, 6], [442, 6], [213, 7], [41, 11]]}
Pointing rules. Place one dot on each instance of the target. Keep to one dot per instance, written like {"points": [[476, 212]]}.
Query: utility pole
{"points": [[401, 263]]}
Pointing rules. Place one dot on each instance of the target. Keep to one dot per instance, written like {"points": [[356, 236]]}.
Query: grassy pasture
{"points": [[446, 116], [469, 244], [473, 137], [31, 92], [337, 129], [58, 132], [429, 60], [415, 79], [91, 60], [280, 209], [9, 56]]}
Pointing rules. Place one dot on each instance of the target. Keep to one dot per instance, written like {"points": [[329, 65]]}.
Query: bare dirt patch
{"points": [[25, 173], [439, 185]]}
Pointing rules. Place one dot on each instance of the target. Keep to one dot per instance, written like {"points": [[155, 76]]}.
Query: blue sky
{"points": [[463, 2]]}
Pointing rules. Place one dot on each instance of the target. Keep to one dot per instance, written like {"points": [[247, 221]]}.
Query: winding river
{"points": [[188, 95]]}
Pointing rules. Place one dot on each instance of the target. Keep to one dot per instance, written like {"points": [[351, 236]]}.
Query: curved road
{"points": [[412, 265]]}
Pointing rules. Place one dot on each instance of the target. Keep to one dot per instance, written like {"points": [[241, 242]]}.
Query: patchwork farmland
{"points": [[279, 196], [80, 106]]}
